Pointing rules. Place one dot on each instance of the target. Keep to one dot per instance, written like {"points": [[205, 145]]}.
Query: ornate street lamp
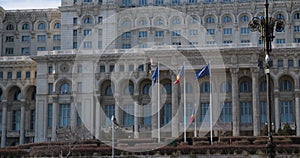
{"points": [[265, 26]]}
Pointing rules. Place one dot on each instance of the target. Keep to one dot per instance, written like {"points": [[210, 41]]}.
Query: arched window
{"points": [[159, 22], [263, 86], [146, 89], [57, 26], [210, 20], [142, 23], [129, 89], [245, 87], [194, 20], [285, 86], [33, 94], [205, 87], [176, 21], [279, 16], [297, 16], [42, 26], [25, 26], [168, 88], [10, 27], [87, 20], [17, 96], [109, 90], [65, 89], [126, 23], [245, 18], [227, 19], [225, 87]]}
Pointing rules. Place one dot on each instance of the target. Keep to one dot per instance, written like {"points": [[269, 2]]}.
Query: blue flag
{"points": [[202, 72], [155, 76]]}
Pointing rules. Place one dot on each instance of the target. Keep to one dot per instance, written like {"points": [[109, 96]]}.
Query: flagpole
{"points": [[158, 105], [195, 122], [210, 101], [184, 103]]}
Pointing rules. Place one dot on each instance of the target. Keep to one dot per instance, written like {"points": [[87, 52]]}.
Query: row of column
{"points": [[4, 124]]}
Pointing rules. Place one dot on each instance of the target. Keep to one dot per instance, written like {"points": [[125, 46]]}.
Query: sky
{"points": [[29, 4]]}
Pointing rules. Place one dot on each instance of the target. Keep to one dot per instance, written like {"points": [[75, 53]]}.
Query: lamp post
{"points": [[265, 26]]}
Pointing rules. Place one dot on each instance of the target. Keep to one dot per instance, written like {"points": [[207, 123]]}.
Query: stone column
{"points": [[73, 116], [175, 112], [54, 118], [255, 103], [154, 112], [235, 103], [136, 117], [277, 111], [22, 123], [4, 124], [297, 113]]}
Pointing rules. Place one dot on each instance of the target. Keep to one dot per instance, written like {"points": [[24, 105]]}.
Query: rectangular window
{"points": [[74, 32], [10, 39], [41, 38], [75, 21], [126, 3], [290, 63], [204, 114], [193, 32], [79, 69], [175, 1], [245, 41], [41, 48], [244, 30], [211, 31], [159, 2], [126, 35], [102, 68], [226, 114], [159, 33], [286, 111], [56, 48], [227, 31], [192, 1], [87, 32], [128, 118], [296, 28], [1, 75], [25, 38], [75, 45], [79, 87], [166, 114], [141, 68], [227, 42], [296, 40], [56, 37], [50, 70], [9, 75], [9, 51], [126, 46], [49, 117], [280, 41], [87, 45], [50, 88], [246, 112], [263, 112], [16, 120], [19, 74], [32, 119], [280, 63], [131, 67], [64, 115], [143, 34], [27, 74], [147, 119], [111, 68], [109, 110], [100, 20], [121, 68], [142, 2], [25, 50], [176, 33]]}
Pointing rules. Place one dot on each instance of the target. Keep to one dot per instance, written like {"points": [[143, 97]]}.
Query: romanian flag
{"points": [[180, 74], [192, 118]]}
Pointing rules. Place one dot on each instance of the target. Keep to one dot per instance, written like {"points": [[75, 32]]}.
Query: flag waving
{"points": [[155, 75], [180, 74], [192, 118], [203, 72]]}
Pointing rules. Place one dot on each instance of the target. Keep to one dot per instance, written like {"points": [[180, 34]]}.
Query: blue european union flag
{"points": [[202, 72], [155, 75]]}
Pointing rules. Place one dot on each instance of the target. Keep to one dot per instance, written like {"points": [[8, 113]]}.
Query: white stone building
{"points": [[90, 59]]}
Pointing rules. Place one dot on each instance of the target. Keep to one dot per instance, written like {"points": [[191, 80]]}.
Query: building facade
{"points": [[88, 60]]}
